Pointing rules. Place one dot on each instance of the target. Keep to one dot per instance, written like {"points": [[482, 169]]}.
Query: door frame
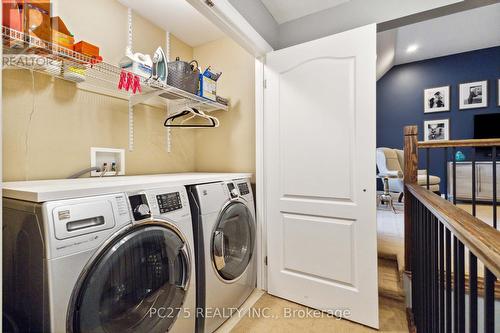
{"points": [[260, 174]]}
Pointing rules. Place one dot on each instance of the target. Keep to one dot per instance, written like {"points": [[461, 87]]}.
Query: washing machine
{"points": [[122, 262], [225, 231]]}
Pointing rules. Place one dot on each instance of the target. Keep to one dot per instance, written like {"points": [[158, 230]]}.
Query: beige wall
{"points": [[49, 125], [231, 147]]}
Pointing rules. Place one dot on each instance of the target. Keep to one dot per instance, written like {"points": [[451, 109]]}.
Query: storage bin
{"points": [[184, 75]]}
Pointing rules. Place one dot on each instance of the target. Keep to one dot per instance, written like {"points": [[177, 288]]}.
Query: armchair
{"points": [[391, 162]]}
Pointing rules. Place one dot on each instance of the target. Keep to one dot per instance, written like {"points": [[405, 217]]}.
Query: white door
{"points": [[319, 158]]}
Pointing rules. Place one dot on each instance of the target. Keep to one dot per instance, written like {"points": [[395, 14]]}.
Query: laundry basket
{"points": [[184, 75]]}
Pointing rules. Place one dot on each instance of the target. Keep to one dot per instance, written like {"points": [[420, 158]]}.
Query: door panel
{"points": [[303, 97], [320, 174], [333, 239]]}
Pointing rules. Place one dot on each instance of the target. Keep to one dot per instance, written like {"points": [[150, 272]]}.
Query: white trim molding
{"points": [[231, 22], [259, 175]]}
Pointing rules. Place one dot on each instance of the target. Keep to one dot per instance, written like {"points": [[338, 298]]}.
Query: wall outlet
{"points": [[107, 156]]}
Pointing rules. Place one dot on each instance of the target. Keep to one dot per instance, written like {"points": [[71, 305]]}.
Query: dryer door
{"points": [[233, 241], [137, 283]]}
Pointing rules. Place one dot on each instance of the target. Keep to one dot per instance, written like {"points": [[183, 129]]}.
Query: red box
{"points": [[87, 49], [13, 16]]}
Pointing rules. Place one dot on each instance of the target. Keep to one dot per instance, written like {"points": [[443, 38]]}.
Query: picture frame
{"points": [[437, 130], [437, 99], [473, 95]]}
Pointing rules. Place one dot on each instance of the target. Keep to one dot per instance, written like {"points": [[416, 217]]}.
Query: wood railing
{"points": [[437, 237]]}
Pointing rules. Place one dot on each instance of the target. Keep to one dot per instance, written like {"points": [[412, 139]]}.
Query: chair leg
{"points": [[400, 198]]}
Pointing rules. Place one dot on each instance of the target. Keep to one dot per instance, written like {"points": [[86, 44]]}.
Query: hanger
{"points": [[214, 122]]}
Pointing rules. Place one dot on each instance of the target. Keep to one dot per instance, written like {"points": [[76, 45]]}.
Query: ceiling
{"points": [[179, 18], [284, 11], [284, 23], [469, 30], [460, 32]]}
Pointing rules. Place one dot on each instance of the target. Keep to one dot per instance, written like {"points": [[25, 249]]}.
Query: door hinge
{"points": [[265, 261], [265, 84]]}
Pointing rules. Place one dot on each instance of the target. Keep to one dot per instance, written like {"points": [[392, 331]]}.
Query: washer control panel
{"points": [[169, 202], [139, 206]]}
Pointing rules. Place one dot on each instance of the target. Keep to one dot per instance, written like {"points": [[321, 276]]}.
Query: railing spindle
{"points": [[473, 182], [472, 293], [495, 185], [426, 272], [448, 282], [454, 180], [441, 278], [489, 301], [455, 284], [461, 288], [435, 273]]}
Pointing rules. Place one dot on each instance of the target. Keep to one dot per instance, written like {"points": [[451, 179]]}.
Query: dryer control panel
{"points": [[242, 187]]}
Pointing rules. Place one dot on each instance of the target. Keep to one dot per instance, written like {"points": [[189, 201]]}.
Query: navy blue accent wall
{"points": [[400, 100]]}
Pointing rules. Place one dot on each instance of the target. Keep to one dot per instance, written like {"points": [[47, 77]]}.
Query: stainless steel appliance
{"points": [[111, 263], [225, 231]]}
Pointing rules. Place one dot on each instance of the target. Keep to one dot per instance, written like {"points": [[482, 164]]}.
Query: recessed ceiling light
{"points": [[412, 48]]}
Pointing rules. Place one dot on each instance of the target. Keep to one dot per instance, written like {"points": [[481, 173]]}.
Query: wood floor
{"points": [[391, 306]]}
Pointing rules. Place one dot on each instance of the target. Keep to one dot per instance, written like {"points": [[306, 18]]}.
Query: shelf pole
{"points": [[167, 107], [130, 126], [130, 102]]}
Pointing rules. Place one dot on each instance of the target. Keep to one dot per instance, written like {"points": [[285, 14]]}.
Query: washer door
{"points": [[138, 283], [233, 241]]}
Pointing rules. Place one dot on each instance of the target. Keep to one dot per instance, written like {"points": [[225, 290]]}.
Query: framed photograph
{"points": [[435, 130], [473, 95], [437, 99]]}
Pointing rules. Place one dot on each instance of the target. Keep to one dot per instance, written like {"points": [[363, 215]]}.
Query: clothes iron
{"points": [[160, 69]]}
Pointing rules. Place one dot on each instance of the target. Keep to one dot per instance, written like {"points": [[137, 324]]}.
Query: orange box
{"points": [[60, 33], [36, 22], [87, 49], [44, 5]]}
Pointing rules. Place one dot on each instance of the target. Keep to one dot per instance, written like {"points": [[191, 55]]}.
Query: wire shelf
{"points": [[22, 50]]}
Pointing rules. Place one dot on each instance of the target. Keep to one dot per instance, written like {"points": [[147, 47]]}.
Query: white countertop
{"points": [[57, 189]]}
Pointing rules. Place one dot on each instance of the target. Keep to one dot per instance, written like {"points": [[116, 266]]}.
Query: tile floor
{"points": [[392, 311], [392, 319]]}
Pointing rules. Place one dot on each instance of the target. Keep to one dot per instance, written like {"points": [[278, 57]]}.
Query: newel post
{"points": [[410, 177]]}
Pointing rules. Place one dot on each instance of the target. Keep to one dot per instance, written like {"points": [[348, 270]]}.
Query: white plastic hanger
{"points": [[193, 113]]}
